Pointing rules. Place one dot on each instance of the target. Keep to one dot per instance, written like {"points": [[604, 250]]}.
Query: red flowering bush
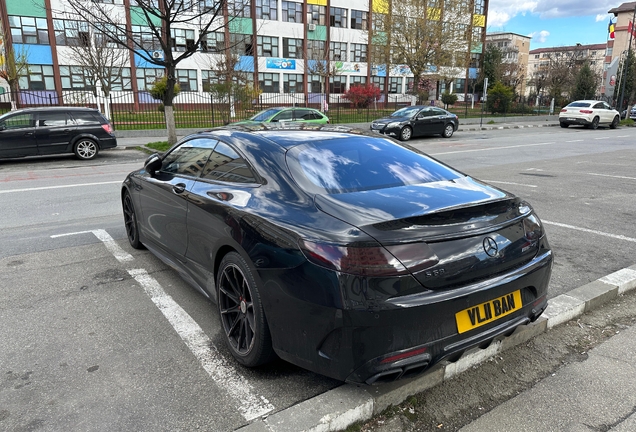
{"points": [[361, 96]]}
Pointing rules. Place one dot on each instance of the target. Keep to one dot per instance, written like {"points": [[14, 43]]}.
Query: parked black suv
{"points": [[53, 130]]}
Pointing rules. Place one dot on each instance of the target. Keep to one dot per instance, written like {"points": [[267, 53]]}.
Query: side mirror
{"points": [[2, 127], [153, 164]]}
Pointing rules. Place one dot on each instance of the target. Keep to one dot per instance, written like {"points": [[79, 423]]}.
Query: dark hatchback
{"points": [[414, 121], [347, 254], [55, 130]]}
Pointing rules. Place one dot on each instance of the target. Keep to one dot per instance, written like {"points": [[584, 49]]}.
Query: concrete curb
{"points": [[338, 408], [478, 128]]}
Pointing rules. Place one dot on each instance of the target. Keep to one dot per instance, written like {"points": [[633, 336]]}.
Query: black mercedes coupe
{"points": [[341, 251]]}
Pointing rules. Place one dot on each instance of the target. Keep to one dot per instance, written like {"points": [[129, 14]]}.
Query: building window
{"points": [[314, 84], [292, 12], [475, 59], [187, 79], [358, 52], [358, 20], [269, 82], [145, 38], [337, 17], [105, 34], [239, 8], [292, 48], [146, 77], [267, 46], [71, 33], [477, 35], [378, 82], [459, 85], [379, 21], [29, 30], [337, 84], [316, 14], [395, 85], [39, 77], [208, 6], [208, 78], [117, 2], [609, 51], [120, 79], [76, 78], [292, 83], [357, 80], [182, 39], [267, 9], [316, 50], [213, 42], [241, 44], [338, 51], [479, 7]]}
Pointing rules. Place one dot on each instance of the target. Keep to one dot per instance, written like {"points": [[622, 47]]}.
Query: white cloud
{"points": [[601, 17], [501, 11], [540, 36]]}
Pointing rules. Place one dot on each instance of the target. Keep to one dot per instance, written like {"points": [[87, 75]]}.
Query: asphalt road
{"points": [[87, 341]]}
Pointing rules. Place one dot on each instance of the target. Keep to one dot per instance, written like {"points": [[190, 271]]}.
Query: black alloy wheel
{"points": [[86, 149], [615, 123], [242, 316], [594, 124], [406, 133], [448, 130], [130, 221]]}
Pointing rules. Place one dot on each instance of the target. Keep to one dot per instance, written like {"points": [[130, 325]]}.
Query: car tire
{"points": [[406, 133], [130, 222], [615, 123], [86, 149], [563, 125], [594, 124], [448, 130], [241, 312]]}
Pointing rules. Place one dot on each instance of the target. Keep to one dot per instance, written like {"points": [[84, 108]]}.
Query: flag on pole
{"points": [[611, 29]]}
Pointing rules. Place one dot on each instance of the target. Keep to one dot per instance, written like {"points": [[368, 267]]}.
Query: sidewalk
{"points": [[136, 138]]}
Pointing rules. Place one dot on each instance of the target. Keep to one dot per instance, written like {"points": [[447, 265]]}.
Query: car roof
{"points": [[53, 108]]}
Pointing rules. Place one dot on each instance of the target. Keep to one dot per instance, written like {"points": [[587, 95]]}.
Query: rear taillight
{"points": [[587, 111], [564, 110], [108, 128], [371, 260], [532, 227]]}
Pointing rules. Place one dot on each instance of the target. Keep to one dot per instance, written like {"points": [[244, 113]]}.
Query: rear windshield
{"points": [[579, 105], [87, 117], [359, 163], [264, 115]]}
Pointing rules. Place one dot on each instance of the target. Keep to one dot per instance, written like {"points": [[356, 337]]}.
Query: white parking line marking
{"points": [[612, 176], [601, 233], [224, 375], [511, 183], [490, 148], [251, 406], [575, 141], [58, 187], [109, 242], [622, 136]]}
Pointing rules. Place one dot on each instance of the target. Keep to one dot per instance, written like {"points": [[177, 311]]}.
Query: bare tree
{"points": [[160, 18], [319, 63], [15, 65]]}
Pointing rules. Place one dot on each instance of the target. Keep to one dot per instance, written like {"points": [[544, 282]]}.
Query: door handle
{"points": [[28, 133], [179, 188]]}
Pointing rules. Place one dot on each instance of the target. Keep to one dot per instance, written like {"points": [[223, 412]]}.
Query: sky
{"points": [[553, 23]]}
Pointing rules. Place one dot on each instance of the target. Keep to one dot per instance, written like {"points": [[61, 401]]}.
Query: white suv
{"points": [[589, 113]]}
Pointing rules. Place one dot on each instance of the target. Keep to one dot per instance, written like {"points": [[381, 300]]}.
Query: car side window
{"points": [[86, 117], [437, 111], [226, 165], [425, 113], [304, 114], [189, 158], [19, 121], [283, 115], [599, 106], [52, 119]]}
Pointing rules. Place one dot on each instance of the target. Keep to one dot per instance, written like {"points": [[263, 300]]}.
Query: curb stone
{"points": [[343, 406]]}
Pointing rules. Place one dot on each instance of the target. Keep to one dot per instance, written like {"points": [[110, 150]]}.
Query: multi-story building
{"points": [[617, 48], [540, 58], [274, 40], [515, 49]]}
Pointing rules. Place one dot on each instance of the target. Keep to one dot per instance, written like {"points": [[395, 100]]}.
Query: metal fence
{"points": [[139, 110]]}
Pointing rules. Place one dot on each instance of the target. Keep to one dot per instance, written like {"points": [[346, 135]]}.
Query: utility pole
{"points": [[626, 65]]}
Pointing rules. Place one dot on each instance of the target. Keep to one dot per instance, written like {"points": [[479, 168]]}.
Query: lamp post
{"points": [[626, 65]]}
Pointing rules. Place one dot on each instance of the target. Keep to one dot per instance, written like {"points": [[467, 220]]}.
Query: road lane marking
{"points": [[58, 187], [575, 141], [224, 375], [612, 176], [491, 148], [109, 242], [601, 233], [510, 183]]}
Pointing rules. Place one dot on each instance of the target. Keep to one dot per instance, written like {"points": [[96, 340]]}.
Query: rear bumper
{"points": [[575, 120], [106, 143]]}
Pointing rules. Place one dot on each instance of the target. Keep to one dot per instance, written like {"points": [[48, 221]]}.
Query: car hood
{"points": [[388, 120], [426, 211]]}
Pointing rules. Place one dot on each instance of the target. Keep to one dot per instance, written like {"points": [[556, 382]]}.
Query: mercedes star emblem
{"points": [[490, 246]]}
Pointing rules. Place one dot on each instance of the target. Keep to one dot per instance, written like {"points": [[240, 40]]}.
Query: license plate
{"points": [[570, 119], [487, 312]]}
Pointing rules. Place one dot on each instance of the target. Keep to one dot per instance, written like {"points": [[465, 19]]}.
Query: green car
{"points": [[287, 114]]}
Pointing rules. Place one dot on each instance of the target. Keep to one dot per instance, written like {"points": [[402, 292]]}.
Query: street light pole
{"points": [[626, 65]]}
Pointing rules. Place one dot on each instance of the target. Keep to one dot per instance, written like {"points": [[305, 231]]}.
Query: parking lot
{"points": [[96, 335]]}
